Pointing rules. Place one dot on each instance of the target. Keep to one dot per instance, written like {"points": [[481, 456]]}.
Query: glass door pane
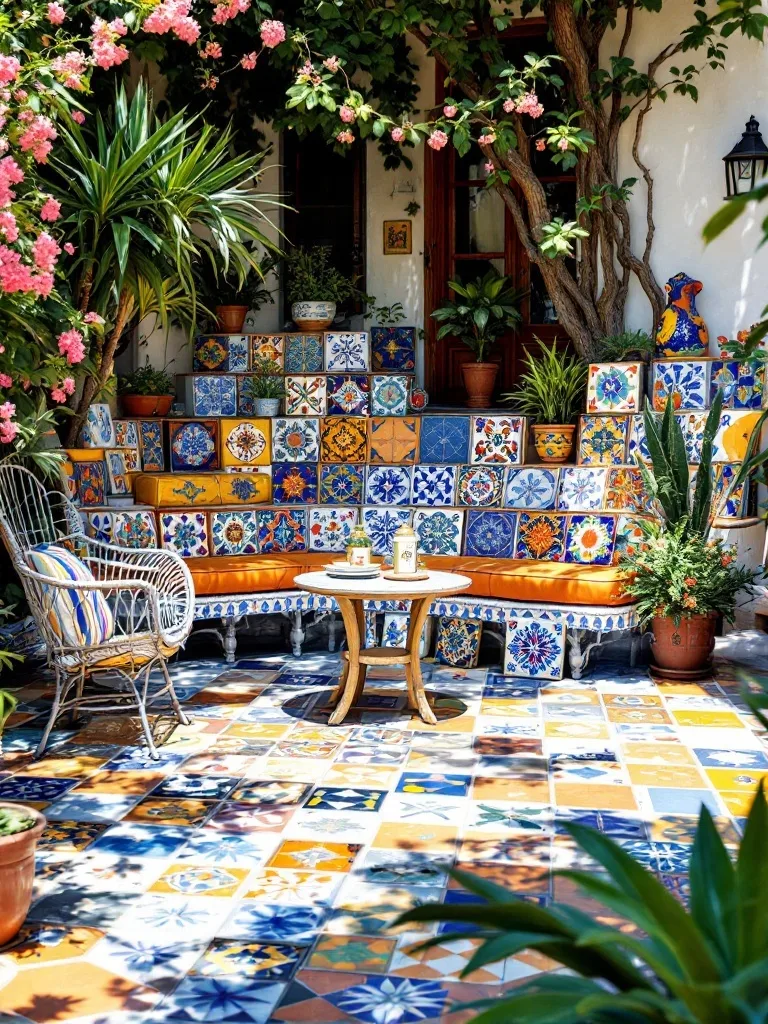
{"points": [[479, 220]]}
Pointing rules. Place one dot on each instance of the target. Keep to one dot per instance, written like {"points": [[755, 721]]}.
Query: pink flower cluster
{"points": [[8, 226], [332, 63], [173, 16], [71, 346], [345, 136], [9, 68], [50, 210], [107, 52], [437, 140], [10, 174], [226, 10], [5, 380], [93, 318], [450, 111], [212, 50], [563, 144], [8, 429], [78, 117], [38, 138], [63, 390], [272, 33], [56, 13], [487, 139], [527, 104], [16, 276], [397, 134], [45, 251], [347, 114], [248, 60], [70, 66]]}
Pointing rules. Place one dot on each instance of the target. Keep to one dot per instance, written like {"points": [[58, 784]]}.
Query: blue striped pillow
{"points": [[80, 619]]}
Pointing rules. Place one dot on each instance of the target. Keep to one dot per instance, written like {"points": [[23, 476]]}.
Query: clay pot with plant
{"points": [[315, 288], [232, 301], [481, 312], [146, 392], [552, 392], [265, 387], [682, 580]]}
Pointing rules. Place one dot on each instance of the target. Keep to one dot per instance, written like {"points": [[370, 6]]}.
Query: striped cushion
{"points": [[80, 619]]}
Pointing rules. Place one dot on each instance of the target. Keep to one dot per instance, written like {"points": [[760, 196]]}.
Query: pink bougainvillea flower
{"points": [[78, 116], [45, 251], [563, 144], [450, 111], [5, 380], [58, 395], [173, 16], [69, 248], [68, 385], [437, 140], [56, 14], [71, 66], [541, 145], [8, 432], [71, 346], [397, 134], [106, 51], [9, 68], [8, 226], [248, 61], [347, 114], [50, 210], [489, 168], [487, 139], [530, 105], [272, 33], [332, 63], [37, 138], [7, 411], [212, 50], [345, 136], [15, 276], [93, 318]]}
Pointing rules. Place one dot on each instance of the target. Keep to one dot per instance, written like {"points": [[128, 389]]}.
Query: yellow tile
{"points": [[646, 716], [196, 880], [738, 780], [658, 753], [609, 798], [399, 835], [677, 777], [708, 719], [246, 441], [576, 730]]}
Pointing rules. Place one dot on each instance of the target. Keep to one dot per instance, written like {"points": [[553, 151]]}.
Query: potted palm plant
{"points": [[551, 392], [265, 387], [146, 392], [314, 287], [683, 581], [483, 310], [233, 300]]}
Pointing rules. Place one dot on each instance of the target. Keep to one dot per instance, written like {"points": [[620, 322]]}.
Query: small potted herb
{"points": [[265, 387], [314, 287], [624, 347], [233, 301], [20, 828], [482, 311], [552, 393], [146, 392]]}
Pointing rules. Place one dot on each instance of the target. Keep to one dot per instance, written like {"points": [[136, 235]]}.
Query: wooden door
{"points": [[468, 230]]}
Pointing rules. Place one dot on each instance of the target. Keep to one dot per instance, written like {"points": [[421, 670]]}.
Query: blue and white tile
{"points": [[186, 533], [388, 485], [349, 395], [234, 533], [389, 395], [434, 485], [581, 489], [444, 439], [534, 648], [491, 534], [685, 382], [212, 395], [347, 350], [381, 524], [117, 471], [439, 531], [295, 440], [480, 486], [531, 487], [98, 431], [329, 528], [126, 433]]}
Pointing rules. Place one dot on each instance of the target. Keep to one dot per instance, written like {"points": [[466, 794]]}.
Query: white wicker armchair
{"points": [[149, 592]]}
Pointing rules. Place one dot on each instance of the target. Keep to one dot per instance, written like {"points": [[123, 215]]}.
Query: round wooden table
{"points": [[350, 595]]}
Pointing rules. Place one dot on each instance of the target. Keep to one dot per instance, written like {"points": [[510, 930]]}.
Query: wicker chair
{"points": [[149, 592]]}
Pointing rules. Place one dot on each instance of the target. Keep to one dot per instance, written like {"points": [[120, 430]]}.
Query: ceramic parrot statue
{"points": [[681, 331]]}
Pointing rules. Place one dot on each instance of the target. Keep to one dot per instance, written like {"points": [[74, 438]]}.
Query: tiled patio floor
{"points": [[251, 874]]}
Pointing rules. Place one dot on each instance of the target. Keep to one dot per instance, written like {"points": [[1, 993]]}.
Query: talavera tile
{"points": [[393, 440], [282, 529], [534, 648], [541, 535], [295, 439], [685, 382], [341, 484], [742, 384], [388, 485], [498, 439], [438, 531], [185, 532], [480, 486], [589, 539], [458, 642], [614, 387], [294, 483], [581, 488], [434, 485], [193, 444], [305, 395], [381, 524], [389, 395], [343, 439], [531, 487], [490, 534], [393, 348], [234, 532], [346, 351], [445, 439], [303, 353], [329, 528], [603, 440]]}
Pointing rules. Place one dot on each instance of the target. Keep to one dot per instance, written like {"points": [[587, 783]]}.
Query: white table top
{"points": [[379, 588]]}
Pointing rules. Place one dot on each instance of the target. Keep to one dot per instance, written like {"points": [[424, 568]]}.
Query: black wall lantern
{"points": [[747, 162]]}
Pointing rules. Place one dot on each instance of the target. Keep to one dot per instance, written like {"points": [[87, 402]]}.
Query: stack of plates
{"points": [[342, 570]]}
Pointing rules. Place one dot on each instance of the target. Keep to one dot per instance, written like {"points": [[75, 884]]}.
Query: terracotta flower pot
{"points": [[554, 442], [17, 873], [479, 380], [687, 647], [231, 318], [146, 405]]}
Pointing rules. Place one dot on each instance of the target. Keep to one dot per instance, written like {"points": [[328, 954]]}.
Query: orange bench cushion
{"points": [[514, 579]]}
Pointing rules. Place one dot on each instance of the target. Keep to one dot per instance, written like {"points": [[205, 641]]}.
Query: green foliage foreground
{"points": [[704, 965]]}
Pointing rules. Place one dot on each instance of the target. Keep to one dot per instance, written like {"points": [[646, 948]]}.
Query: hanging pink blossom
{"points": [[8, 226], [563, 144], [78, 116], [21, 95], [5, 380], [15, 276], [69, 248], [347, 114], [487, 139], [70, 67], [104, 35], [541, 145], [173, 16], [56, 14], [37, 138], [397, 134], [68, 385], [42, 284], [45, 251], [58, 395], [8, 432], [9, 68], [437, 140], [71, 346], [450, 111], [212, 50], [272, 33], [489, 168], [50, 210], [345, 136], [332, 63], [211, 81], [248, 61], [93, 318], [509, 106], [7, 411], [226, 10], [530, 105]]}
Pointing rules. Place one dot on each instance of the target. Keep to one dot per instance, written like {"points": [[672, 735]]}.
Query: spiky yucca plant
{"points": [[704, 965]]}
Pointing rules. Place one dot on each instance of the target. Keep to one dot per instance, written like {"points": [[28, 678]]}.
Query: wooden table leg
{"points": [[416, 696], [352, 617]]}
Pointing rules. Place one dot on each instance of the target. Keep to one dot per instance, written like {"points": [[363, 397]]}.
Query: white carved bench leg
{"points": [[229, 640], [297, 634], [579, 650]]}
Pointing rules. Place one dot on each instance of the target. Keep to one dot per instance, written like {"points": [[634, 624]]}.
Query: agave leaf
{"points": [[752, 881], [549, 999], [713, 891]]}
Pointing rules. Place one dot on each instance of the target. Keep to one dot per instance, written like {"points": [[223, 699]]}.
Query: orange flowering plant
{"points": [[676, 575]]}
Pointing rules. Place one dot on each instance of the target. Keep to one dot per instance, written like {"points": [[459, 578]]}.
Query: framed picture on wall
{"points": [[397, 238]]}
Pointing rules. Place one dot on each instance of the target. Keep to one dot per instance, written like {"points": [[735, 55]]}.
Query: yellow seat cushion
{"points": [[513, 579]]}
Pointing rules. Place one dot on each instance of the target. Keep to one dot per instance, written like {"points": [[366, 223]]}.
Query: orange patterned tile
{"points": [[130, 783], [405, 836], [486, 787], [658, 753], [609, 798], [69, 991]]}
